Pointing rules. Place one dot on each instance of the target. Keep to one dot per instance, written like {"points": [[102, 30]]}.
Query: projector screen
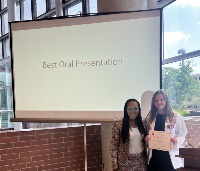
{"points": [[84, 68]]}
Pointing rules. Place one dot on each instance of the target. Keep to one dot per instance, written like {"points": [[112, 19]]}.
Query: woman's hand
{"points": [[146, 139], [174, 141]]}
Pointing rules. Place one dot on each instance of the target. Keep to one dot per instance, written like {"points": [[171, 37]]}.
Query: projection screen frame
{"points": [[76, 119]]}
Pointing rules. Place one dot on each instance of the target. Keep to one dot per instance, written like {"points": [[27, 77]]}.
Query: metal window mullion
{"points": [[17, 2], [65, 13], [59, 8], [3, 41], [48, 6], [21, 4], [69, 3], [46, 14], [63, 8], [47, 9], [4, 36], [64, 5], [1, 25], [33, 9], [3, 48], [4, 10], [1, 5], [181, 57], [20, 7], [88, 5], [85, 7]]}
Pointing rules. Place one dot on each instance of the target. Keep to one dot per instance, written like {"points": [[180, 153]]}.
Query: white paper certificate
{"points": [[160, 140]]}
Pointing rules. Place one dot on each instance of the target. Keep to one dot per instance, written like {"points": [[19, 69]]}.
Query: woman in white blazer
{"points": [[162, 118]]}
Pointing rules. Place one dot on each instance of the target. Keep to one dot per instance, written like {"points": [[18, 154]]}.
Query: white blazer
{"points": [[178, 129]]}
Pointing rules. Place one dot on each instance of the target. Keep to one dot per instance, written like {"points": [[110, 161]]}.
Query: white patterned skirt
{"points": [[136, 162]]}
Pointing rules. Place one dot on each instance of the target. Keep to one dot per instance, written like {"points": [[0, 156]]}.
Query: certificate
{"points": [[160, 140]]}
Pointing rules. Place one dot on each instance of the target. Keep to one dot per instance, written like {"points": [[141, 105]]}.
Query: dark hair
{"points": [[126, 125], [168, 111]]}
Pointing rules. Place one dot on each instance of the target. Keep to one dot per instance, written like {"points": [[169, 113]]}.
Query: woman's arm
{"points": [[146, 126]]}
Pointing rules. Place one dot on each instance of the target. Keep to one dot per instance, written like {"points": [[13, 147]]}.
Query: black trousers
{"points": [[160, 161]]}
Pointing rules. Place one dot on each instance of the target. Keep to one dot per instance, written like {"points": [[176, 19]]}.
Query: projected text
{"points": [[79, 63]]}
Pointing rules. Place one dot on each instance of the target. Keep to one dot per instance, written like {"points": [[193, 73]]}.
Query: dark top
{"points": [[160, 122], [160, 126]]}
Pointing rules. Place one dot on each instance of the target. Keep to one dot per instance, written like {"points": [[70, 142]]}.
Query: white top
{"points": [[136, 146]]}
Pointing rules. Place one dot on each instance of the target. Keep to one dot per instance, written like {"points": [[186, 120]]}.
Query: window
{"points": [[181, 84], [27, 10], [4, 42], [6, 108], [7, 48], [0, 27], [1, 55], [93, 6], [52, 4], [5, 23], [17, 13], [180, 78], [76, 9], [41, 7], [3, 4], [181, 32]]}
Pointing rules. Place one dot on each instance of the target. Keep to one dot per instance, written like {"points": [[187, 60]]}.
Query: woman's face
{"points": [[132, 110], [160, 103]]}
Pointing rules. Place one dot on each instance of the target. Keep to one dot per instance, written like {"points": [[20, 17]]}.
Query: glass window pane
{"points": [[6, 98], [27, 10], [5, 22], [5, 86], [7, 53], [3, 96], [93, 6], [0, 28], [41, 7], [51, 15], [17, 12], [179, 80], [5, 119], [181, 32], [76, 9], [4, 4], [52, 4], [2, 78], [1, 55]]}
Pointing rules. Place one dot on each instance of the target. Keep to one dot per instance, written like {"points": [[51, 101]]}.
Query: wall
{"points": [[193, 137], [53, 149], [193, 127], [62, 149]]}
